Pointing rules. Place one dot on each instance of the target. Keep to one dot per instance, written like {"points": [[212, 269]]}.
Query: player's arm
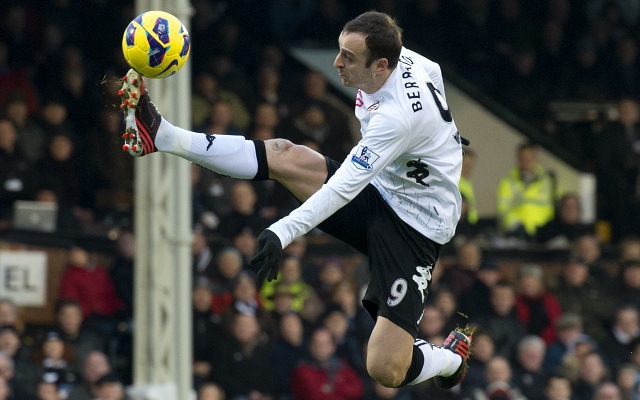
{"points": [[386, 138], [382, 144]]}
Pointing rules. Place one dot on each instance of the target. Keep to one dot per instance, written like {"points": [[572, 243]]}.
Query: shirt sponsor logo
{"points": [[364, 158]]}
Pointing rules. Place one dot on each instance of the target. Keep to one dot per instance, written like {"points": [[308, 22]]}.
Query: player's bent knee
{"points": [[387, 374], [285, 157]]}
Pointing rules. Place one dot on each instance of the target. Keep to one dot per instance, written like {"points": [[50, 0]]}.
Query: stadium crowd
{"points": [[566, 329]]}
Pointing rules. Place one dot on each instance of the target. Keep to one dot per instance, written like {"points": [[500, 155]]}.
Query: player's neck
{"points": [[378, 81]]}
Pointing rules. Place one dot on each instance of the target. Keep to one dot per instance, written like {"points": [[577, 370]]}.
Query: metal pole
{"points": [[163, 334]]}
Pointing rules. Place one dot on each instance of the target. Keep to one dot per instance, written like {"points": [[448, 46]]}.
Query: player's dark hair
{"points": [[384, 36]]}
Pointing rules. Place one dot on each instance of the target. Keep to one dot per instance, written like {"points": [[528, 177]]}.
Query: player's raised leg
{"points": [[395, 359], [301, 170]]}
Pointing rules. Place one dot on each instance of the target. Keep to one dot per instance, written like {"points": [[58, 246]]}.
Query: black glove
{"points": [[269, 256]]}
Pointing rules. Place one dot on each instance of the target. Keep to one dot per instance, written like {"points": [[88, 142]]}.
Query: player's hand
{"points": [[269, 256]]}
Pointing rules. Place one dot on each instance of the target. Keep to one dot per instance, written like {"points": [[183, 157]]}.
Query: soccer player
{"points": [[395, 197]]}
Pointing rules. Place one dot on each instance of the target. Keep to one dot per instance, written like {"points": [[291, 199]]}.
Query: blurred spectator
{"points": [[244, 367], [219, 120], [617, 344], [229, 266], [266, 123], [287, 351], [245, 300], [569, 331], [54, 367], [245, 241], [113, 170], [498, 381], [109, 387], [618, 163], [60, 170], [121, 272], [529, 374], [213, 191], [7, 372], [593, 373], [202, 254], [31, 138], [484, 350], [626, 380], [316, 124], [206, 91], [243, 212], [8, 312], [346, 297], [447, 302], [462, 275], [607, 391], [324, 375], [54, 115], [91, 285], [629, 249], [269, 90], [537, 308], [583, 295], [282, 300], [628, 289], [207, 332], [558, 387], [476, 301], [17, 180], [47, 391], [431, 326], [525, 197], [94, 366], [290, 274], [316, 89], [211, 391], [566, 226], [589, 249], [11, 345], [79, 341], [331, 273], [343, 333]]}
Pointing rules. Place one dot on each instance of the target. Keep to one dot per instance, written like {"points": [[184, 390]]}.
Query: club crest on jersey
{"points": [[372, 107], [364, 158], [359, 101]]}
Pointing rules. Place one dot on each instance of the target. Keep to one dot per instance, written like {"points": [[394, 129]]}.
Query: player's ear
{"points": [[381, 64]]}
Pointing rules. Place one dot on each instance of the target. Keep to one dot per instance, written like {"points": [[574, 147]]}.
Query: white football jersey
{"points": [[410, 151]]}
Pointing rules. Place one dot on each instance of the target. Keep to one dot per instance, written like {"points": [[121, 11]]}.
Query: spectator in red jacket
{"points": [[324, 376], [537, 308], [91, 285]]}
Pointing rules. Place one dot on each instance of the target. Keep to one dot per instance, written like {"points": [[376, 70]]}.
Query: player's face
{"points": [[351, 62]]}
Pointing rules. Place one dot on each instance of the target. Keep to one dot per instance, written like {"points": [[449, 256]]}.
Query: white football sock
{"points": [[228, 155], [437, 362]]}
